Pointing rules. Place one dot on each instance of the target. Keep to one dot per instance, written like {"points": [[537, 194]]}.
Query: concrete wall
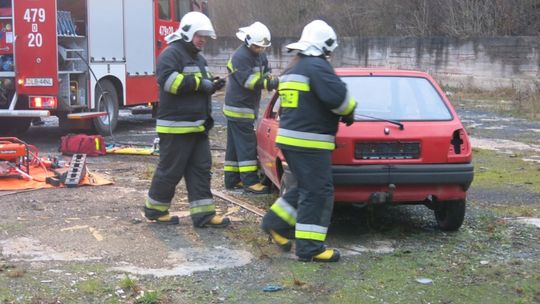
{"points": [[484, 63]]}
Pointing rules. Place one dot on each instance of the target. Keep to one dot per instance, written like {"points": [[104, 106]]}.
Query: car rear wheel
{"points": [[287, 182], [450, 214]]}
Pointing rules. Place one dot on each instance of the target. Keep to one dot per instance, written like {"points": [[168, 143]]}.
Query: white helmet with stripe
{"points": [[257, 34], [191, 23], [318, 38]]}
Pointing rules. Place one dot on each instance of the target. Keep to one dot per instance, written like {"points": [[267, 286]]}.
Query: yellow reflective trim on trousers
{"points": [[176, 83], [291, 85], [305, 143], [230, 66], [316, 236], [231, 169], [201, 209], [156, 207], [241, 169], [247, 168], [283, 214], [233, 114], [179, 130]]}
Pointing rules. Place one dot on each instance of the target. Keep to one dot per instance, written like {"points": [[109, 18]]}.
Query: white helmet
{"points": [[318, 38], [191, 23], [257, 34]]}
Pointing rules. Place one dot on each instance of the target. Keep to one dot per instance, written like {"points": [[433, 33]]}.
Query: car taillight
{"points": [[43, 102], [459, 144]]}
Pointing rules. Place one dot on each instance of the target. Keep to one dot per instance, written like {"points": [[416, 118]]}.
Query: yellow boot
{"points": [[218, 222], [329, 255], [283, 243], [257, 188], [161, 217]]}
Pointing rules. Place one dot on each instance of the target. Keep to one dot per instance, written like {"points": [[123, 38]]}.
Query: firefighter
{"points": [[248, 75], [183, 121], [312, 99]]}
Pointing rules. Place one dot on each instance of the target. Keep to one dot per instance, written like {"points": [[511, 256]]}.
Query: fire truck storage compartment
{"points": [[7, 73], [72, 54]]}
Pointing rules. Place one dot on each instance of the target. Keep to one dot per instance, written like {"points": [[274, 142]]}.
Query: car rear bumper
{"points": [[427, 174]]}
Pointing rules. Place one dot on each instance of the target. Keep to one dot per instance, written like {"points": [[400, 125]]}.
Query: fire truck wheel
{"points": [[11, 126], [106, 101]]}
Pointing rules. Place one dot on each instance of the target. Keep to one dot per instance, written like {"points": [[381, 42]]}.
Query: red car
{"points": [[407, 146]]}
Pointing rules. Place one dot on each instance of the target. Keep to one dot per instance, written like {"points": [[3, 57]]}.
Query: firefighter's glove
{"points": [[272, 83], [348, 119], [207, 86], [219, 83]]}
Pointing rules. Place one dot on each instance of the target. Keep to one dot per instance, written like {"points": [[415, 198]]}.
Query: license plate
{"points": [[38, 82], [387, 150]]}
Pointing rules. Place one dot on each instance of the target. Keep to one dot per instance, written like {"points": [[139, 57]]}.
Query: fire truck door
{"points": [[165, 23], [36, 47]]}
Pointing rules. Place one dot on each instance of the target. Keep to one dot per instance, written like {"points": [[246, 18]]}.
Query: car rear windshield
{"points": [[396, 98]]}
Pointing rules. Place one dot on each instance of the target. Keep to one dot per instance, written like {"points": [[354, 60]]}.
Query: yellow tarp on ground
{"points": [[39, 174], [132, 151]]}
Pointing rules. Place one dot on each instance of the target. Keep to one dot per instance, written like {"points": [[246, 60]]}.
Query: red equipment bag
{"points": [[91, 145]]}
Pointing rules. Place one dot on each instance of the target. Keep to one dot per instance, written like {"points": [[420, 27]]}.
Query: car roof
{"points": [[379, 72]]}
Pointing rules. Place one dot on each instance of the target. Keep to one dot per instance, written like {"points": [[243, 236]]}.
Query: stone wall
{"points": [[483, 63]]}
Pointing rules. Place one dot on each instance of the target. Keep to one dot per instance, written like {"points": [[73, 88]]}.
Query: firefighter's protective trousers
{"points": [[183, 122], [241, 154], [187, 156], [305, 209], [246, 80]]}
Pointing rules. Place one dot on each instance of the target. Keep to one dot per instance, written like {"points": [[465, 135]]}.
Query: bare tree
{"points": [[454, 18]]}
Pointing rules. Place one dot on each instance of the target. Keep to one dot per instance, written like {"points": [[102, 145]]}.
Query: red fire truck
{"points": [[81, 60]]}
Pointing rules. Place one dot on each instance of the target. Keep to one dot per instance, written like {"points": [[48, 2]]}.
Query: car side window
{"points": [[275, 109]]}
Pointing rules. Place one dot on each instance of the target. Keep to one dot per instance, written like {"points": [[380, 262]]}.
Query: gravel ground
{"points": [[92, 245]]}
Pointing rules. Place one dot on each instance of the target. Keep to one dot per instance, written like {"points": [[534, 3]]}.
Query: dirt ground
{"points": [[92, 244]]}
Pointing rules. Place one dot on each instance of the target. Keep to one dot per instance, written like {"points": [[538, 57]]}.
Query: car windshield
{"points": [[396, 98]]}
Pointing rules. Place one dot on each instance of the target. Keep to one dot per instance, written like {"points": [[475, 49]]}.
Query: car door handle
{"points": [[268, 131]]}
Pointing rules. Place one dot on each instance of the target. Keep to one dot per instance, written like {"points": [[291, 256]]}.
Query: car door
{"points": [[266, 137]]}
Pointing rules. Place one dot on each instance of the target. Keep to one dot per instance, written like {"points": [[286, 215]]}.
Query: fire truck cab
{"points": [[81, 60]]}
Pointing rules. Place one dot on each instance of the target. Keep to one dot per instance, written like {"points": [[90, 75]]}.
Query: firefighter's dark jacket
{"points": [[183, 107], [246, 80], [313, 98]]}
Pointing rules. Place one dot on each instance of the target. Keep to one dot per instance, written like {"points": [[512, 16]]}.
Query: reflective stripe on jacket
{"points": [[244, 84], [312, 99], [182, 107]]}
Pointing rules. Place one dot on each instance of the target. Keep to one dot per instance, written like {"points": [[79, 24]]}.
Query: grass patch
{"points": [[93, 287], [495, 171], [150, 297], [129, 285], [15, 273], [512, 101], [9, 227], [392, 279], [148, 172], [516, 210]]}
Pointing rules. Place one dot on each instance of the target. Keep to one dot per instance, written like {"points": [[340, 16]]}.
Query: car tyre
{"points": [[450, 214]]}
